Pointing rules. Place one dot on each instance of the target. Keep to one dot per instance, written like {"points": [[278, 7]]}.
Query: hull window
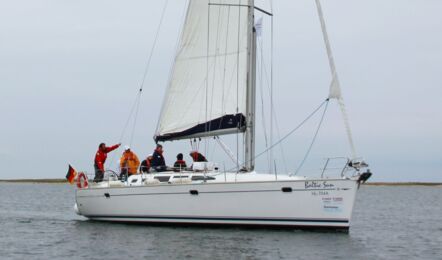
{"points": [[184, 176], [202, 178], [163, 178]]}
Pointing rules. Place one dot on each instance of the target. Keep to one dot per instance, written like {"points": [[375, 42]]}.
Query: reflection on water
{"points": [[38, 221]]}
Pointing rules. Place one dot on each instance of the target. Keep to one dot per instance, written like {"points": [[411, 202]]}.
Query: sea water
{"points": [[38, 222]]}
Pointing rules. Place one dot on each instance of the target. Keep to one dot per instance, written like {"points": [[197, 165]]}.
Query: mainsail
{"points": [[207, 90]]}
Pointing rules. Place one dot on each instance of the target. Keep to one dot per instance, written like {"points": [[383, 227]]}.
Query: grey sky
{"points": [[70, 70]]}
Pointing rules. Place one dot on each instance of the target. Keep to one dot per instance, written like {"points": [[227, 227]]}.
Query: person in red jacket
{"points": [[197, 157], [100, 158], [180, 164]]}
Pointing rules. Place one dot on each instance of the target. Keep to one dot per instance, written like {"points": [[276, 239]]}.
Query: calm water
{"points": [[37, 222]]}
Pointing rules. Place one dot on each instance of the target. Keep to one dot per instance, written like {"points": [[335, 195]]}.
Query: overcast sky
{"points": [[70, 71]]}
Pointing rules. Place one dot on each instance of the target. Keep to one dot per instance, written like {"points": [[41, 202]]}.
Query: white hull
{"points": [[280, 203]]}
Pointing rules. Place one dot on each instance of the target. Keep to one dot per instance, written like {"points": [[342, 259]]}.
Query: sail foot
{"points": [[227, 124]]}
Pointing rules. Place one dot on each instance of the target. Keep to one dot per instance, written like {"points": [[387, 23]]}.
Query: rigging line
{"points": [[275, 120], [313, 140], [126, 124], [271, 81], [146, 71], [225, 65], [173, 60], [278, 132], [237, 83], [153, 45], [135, 121], [207, 75], [130, 116], [226, 149], [215, 59], [213, 152], [136, 103], [291, 131], [262, 101]]}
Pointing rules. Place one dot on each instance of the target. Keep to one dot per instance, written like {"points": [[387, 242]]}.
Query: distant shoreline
{"points": [[58, 181], [35, 181], [403, 183]]}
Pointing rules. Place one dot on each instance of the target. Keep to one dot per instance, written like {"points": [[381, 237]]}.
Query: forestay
{"points": [[206, 95]]}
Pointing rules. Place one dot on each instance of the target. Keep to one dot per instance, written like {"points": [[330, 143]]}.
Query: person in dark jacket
{"points": [[158, 162], [180, 164], [100, 159], [197, 157], [146, 164]]}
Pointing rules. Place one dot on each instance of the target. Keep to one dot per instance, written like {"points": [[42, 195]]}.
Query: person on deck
{"points": [[197, 157], [129, 162], [100, 159], [180, 164], [146, 164], [158, 162]]}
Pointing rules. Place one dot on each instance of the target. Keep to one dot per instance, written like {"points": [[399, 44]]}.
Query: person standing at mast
{"points": [[100, 159]]}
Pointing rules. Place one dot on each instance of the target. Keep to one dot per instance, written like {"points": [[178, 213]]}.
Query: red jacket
{"points": [[100, 156]]}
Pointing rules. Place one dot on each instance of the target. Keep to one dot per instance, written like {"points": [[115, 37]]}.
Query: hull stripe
{"points": [[224, 219], [205, 192]]}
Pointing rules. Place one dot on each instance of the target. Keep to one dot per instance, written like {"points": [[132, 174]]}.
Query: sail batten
{"points": [[208, 87]]}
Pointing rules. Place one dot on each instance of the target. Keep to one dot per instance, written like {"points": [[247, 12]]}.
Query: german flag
{"points": [[70, 176]]}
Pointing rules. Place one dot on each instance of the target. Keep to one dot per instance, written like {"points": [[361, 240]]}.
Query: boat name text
{"points": [[318, 185]]}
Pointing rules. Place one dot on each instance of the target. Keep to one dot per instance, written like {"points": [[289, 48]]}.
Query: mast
{"points": [[251, 91]]}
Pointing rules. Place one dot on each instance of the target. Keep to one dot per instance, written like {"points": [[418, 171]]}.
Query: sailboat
{"points": [[211, 92]]}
